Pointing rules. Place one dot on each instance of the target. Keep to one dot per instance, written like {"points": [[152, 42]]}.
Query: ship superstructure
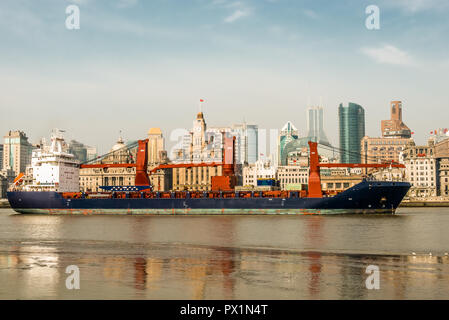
{"points": [[54, 169]]}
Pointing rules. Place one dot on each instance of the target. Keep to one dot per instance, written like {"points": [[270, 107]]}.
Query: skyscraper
{"points": [[315, 125], [252, 142], [352, 130], [247, 138], [79, 150], [16, 152], [1, 156], [155, 146], [288, 134]]}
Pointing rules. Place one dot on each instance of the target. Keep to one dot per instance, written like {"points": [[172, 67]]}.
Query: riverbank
{"points": [[4, 203], [431, 204]]}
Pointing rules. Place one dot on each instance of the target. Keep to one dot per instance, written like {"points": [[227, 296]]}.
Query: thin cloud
{"points": [[236, 15], [238, 9], [415, 6], [127, 3], [389, 54], [310, 13]]}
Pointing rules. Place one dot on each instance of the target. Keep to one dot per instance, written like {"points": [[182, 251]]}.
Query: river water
{"points": [[227, 257]]}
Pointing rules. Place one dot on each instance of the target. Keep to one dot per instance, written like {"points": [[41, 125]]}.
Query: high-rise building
{"points": [[252, 134], [352, 130], [395, 128], [288, 133], [79, 150], [16, 152], [156, 146], [315, 125], [246, 142], [91, 153], [1, 156]]}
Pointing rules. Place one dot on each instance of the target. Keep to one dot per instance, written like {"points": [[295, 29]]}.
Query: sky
{"points": [[136, 64]]}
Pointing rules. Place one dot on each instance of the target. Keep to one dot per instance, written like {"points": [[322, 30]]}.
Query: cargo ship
{"points": [[366, 197]]}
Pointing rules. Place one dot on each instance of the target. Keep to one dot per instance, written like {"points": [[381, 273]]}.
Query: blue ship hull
{"points": [[365, 197]]}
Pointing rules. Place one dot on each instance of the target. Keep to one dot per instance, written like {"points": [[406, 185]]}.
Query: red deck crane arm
{"points": [[315, 190]]}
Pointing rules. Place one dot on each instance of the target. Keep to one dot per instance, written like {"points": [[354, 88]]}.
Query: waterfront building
{"points": [[200, 145], [91, 179], [1, 156], [16, 152], [382, 150], [352, 130], [339, 182], [420, 169], [443, 177], [288, 134], [440, 134], [258, 170], [395, 137], [156, 147], [298, 157], [442, 158], [395, 128], [195, 178], [292, 177], [3, 186]]}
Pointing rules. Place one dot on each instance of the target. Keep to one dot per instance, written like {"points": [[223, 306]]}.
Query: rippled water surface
{"points": [[228, 257]]}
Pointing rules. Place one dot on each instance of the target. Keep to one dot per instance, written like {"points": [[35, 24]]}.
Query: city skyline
{"points": [[133, 65]]}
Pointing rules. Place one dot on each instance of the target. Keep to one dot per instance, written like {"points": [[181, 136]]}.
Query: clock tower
{"points": [[198, 136]]}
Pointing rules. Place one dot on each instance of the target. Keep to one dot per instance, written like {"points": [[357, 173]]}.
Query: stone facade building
{"points": [[259, 170], [92, 178], [156, 147], [442, 157], [194, 178], [421, 169], [340, 182], [292, 176], [395, 137], [395, 128]]}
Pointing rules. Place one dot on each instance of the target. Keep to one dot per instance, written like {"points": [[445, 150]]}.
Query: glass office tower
{"points": [[352, 130]]}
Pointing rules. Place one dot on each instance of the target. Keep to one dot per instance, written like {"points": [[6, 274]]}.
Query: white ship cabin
{"points": [[53, 168]]}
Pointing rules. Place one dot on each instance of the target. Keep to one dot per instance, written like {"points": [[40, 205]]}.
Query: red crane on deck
{"points": [[224, 182], [315, 190]]}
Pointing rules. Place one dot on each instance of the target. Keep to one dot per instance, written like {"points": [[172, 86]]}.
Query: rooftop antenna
{"points": [[201, 105]]}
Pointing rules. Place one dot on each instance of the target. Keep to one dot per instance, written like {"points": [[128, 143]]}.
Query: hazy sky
{"points": [[139, 64]]}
